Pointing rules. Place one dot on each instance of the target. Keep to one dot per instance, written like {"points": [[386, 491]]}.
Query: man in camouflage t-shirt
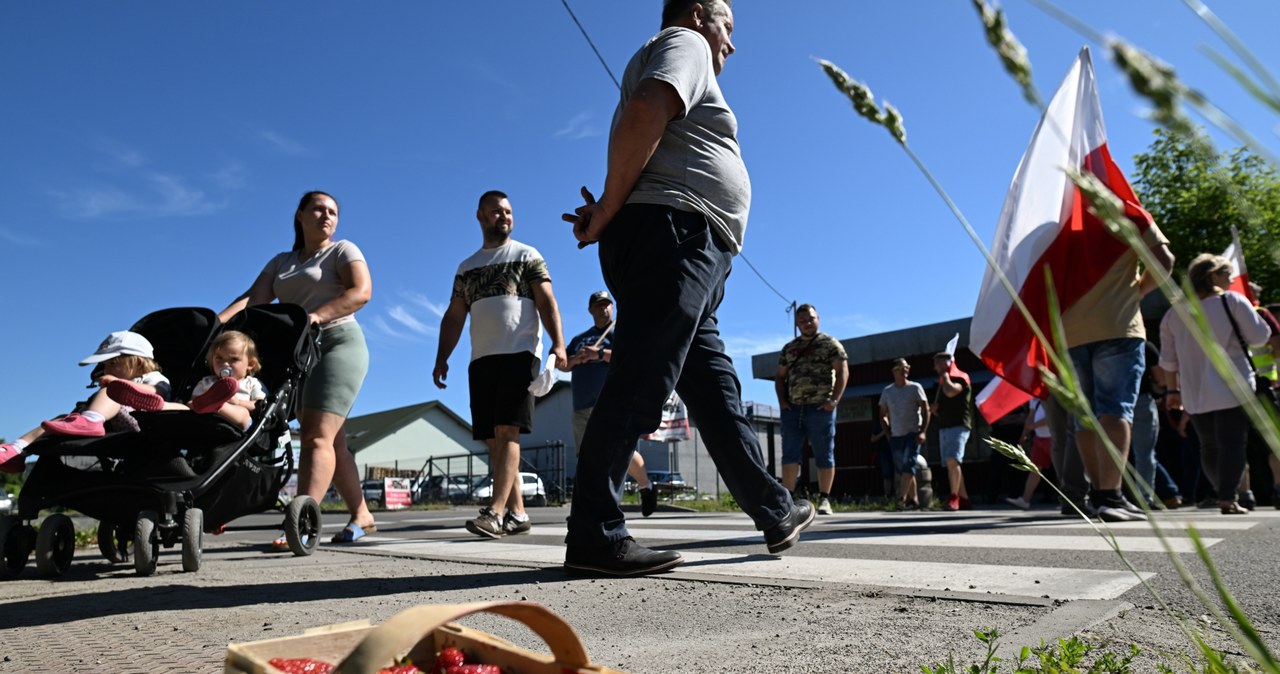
{"points": [[812, 372], [506, 290]]}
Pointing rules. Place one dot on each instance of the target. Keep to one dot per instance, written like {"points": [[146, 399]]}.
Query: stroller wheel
{"points": [[302, 525], [55, 545], [146, 543], [114, 542], [16, 542], [192, 539]]}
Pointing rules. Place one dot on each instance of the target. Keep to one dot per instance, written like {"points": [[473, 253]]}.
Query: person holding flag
{"points": [[1048, 239], [951, 410]]}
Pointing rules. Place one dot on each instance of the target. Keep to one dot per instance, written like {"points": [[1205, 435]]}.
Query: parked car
{"points": [[452, 488], [665, 481], [6, 503], [374, 493], [531, 487]]}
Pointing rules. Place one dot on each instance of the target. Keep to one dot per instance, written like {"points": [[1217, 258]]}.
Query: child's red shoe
{"points": [[75, 425], [11, 459], [132, 395], [212, 400]]}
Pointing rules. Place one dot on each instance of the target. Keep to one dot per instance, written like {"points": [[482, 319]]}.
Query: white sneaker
{"points": [[1018, 503], [824, 507]]}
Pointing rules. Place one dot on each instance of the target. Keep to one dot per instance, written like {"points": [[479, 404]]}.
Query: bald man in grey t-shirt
{"points": [[904, 416], [672, 216]]}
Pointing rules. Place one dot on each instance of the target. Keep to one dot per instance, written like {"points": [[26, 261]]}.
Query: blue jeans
{"points": [[668, 269], [819, 426], [1146, 430], [1109, 371], [905, 450], [951, 443]]}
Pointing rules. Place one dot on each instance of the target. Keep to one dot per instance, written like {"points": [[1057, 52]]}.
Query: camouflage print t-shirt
{"points": [[497, 286], [810, 377]]}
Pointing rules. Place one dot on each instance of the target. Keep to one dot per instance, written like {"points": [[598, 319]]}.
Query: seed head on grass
{"points": [[1157, 82], [864, 102], [1011, 52], [1015, 454]]}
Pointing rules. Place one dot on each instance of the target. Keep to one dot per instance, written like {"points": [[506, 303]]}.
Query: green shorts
{"points": [[334, 382]]}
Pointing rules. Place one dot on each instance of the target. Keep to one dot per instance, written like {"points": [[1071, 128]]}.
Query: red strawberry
{"points": [[448, 657], [474, 669], [301, 666], [406, 668]]}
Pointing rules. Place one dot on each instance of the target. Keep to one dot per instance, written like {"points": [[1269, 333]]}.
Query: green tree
{"points": [[1196, 194]]}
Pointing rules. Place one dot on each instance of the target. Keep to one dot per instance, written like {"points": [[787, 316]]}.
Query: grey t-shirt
{"points": [[698, 165], [314, 282], [904, 407]]}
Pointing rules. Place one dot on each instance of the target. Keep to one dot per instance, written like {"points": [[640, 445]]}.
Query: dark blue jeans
{"points": [[666, 270], [1142, 451]]}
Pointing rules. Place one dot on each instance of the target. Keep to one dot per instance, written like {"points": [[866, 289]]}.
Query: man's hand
{"points": [[440, 374], [920, 438], [560, 360], [589, 220], [827, 406]]}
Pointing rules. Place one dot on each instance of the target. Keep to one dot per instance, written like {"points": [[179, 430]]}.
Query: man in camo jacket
{"points": [[812, 372]]}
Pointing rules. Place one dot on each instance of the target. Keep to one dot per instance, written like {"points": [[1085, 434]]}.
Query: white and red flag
{"points": [[954, 371], [1239, 272], [1045, 226]]}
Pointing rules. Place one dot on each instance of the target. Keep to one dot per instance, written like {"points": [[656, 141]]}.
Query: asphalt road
{"points": [[865, 592]]}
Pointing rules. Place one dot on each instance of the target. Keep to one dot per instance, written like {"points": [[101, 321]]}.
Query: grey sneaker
{"points": [[487, 524], [824, 507], [512, 526]]}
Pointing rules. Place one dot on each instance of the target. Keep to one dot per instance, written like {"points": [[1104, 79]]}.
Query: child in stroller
{"points": [[232, 394], [125, 357]]}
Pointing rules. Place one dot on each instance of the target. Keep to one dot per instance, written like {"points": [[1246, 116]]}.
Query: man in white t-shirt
{"points": [[505, 288]]}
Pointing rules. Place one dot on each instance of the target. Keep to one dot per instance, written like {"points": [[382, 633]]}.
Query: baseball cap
{"points": [[598, 296], [123, 343]]}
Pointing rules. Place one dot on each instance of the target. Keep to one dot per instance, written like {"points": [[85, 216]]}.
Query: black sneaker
{"points": [[648, 501], [1133, 509], [623, 558], [512, 526], [1275, 499], [1117, 509], [784, 534], [487, 524], [1114, 513], [1246, 500]]}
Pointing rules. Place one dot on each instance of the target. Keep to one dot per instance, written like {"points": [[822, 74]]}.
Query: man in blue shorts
{"points": [[812, 372], [1105, 337], [904, 416], [954, 416]]}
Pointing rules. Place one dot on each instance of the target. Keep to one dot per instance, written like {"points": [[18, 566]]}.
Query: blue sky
{"points": [[154, 152]]}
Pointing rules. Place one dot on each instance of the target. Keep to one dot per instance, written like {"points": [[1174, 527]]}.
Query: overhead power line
{"points": [[593, 44], [790, 303]]}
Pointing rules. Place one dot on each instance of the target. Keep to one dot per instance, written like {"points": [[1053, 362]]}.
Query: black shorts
{"points": [[500, 392]]}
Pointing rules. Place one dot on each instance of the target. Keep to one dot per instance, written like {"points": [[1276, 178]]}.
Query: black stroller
{"points": [[182, 474]]}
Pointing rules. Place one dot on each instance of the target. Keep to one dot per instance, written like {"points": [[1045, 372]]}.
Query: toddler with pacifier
{"points": [[232, 393]]}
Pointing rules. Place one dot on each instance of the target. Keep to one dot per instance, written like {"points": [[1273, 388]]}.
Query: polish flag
{"points": [[1239, 273], [999, 398], [1045, 226], [954, 371]]}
